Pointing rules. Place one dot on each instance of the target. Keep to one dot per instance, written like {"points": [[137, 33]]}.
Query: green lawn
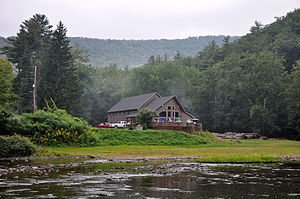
{"points": [[244, 148]]}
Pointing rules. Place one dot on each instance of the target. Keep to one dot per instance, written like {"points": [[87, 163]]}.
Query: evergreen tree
{"points": [[59, 78], [26, 50], [208, 56]]}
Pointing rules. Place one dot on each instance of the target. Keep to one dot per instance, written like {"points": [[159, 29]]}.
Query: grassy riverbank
{"points": [[246, 148], [115, 137]]}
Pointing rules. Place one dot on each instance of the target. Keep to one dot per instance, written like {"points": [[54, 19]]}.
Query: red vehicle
{"points": [[103, 125]]}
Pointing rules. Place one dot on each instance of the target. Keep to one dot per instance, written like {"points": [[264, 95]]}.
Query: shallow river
{"points": [[83, 178]]}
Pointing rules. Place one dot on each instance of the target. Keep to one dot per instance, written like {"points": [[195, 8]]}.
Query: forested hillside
{"points": [[132, 53]]}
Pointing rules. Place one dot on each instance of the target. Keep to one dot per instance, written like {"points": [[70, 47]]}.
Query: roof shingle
{"points": [[131, 103], [155, 104]]}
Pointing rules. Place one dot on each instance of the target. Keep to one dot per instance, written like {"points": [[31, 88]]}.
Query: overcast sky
{"points": [[145, 19]]}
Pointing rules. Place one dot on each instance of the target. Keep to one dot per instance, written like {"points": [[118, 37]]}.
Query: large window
{"points": [[176, 114], [169, 114], [162, 114]]}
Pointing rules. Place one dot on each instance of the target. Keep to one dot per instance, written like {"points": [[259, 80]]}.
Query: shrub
{"points": [[55, 127], [7, 122], [145, 127], [15, 146], [41, 121], [55, 137], [145, 116], [131, 126]]}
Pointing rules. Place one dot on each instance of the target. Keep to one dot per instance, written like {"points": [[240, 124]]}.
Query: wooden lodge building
{"points": [[169, 109]]}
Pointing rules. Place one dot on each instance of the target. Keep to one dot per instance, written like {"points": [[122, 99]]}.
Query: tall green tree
{"points": [[293, 99], [264, 84], [230, 111], [145, 116], [59, 77], [25, 51], [86, 76], [208, 56], [6, 77]]}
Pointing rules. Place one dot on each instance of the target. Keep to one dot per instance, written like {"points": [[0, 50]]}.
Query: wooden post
{"points": [[34, 91]]}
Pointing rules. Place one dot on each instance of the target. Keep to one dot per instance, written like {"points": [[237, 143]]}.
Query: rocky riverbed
{"points": [[180, 177], [46, 165]]}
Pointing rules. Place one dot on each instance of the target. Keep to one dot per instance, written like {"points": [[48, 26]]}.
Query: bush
{"points": [[131, 126], [7, 123], [55, 127], [15, 146], [145, 116], [145, 127], [55, 137], [41, 121]]}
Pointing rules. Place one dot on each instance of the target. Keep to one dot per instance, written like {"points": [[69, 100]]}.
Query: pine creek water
{"points": [[104, 178]]}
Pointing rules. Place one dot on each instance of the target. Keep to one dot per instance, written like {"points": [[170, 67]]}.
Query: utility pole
{"points": [[34, 91]]}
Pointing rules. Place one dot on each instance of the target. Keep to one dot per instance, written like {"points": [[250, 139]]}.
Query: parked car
{"points": [[119, 124], [103, 125]]}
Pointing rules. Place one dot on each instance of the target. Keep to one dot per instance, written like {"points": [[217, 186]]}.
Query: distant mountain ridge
{"points": [[131, 53]]}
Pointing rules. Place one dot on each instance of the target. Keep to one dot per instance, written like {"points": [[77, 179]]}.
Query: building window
{"points": [[176, 114], [169, 114], [169, 107], [162, 114]]}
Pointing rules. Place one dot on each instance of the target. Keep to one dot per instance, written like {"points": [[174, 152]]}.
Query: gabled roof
{"points": [[158, 102], [132, 103]]}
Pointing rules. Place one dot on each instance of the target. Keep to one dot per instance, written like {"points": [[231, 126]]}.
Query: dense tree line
{"points": [[249, 85]]}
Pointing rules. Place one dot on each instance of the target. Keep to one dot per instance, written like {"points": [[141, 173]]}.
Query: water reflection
{"points": [[84, 179]]}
